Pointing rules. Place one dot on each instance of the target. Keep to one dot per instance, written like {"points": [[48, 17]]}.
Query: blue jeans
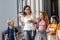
{"points": [[41, 35], [29, 35], [51, 38]]}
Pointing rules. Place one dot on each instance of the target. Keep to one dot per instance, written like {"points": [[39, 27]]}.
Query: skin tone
{"points": [[41, 16], [12, 24], [6, 37], [53, 21], [59, 25], [27, 10]]}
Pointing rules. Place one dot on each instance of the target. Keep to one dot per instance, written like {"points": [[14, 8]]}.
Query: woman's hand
{"points": [[19, 17], [51, 32], [32, 21], [48, 31]]}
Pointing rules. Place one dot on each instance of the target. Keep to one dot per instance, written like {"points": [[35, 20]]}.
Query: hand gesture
{"points": [[19, 17]]}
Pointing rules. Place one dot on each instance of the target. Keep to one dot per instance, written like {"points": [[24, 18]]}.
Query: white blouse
{"points": [[27, 24]]}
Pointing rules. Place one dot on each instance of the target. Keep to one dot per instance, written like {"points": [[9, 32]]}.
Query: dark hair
{"points": [[56, 18], [24, 13]]}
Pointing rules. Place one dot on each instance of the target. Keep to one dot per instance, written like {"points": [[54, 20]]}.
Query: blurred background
{"points": [[11, 9]]}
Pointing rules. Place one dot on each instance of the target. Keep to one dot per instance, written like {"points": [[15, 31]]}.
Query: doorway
{"points": [[54, 7]]}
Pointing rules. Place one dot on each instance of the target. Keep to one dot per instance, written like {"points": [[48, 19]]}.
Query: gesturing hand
{"points": [[19, 17]]}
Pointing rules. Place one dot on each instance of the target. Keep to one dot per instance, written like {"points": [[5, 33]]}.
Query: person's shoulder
{"points": [[56, 25]]}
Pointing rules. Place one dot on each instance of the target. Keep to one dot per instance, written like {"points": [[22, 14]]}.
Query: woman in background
{"points": [[52, 28], [41, 26]]}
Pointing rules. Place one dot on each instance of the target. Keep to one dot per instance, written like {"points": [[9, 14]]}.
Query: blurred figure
{"points": [[41, 26], [58, 32], [11, 32], [52, 28], [28, 23]]}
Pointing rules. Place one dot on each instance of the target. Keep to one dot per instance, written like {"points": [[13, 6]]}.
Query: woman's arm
{"points": [[57, 36], [6, 37], [37, 26], [48, 31], [20, 21], [48, 28]]}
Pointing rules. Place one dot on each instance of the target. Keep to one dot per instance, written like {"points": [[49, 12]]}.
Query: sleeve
{"points": [[56, 26], [6, 32], [46, 24]]}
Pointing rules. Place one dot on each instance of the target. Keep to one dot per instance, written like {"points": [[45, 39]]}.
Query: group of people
{"points": [[44, 30]]}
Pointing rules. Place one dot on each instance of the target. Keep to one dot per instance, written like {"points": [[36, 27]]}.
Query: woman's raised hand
{"points": [[19, 17]]}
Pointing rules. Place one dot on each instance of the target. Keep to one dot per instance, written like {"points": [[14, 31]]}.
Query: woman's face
{"points": [[52, 20], [12, 23], [27, 10], [41, 16]]}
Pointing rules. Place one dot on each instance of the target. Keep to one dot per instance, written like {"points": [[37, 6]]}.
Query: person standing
{"points": [[28, 23], [41, 26], [52, 28], [11, 32]]}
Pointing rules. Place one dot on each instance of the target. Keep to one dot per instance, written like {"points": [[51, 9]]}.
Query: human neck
{"points": [[10, 27]]}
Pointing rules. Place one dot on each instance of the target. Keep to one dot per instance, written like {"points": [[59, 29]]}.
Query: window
{"points": [[21, 4]]}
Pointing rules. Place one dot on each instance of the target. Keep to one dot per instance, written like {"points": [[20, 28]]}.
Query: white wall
{"points": [[8, 9]]}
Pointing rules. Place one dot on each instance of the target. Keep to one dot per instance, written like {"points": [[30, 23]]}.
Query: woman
{"points": [[52, 28], [28, 23], [41, 26]]}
